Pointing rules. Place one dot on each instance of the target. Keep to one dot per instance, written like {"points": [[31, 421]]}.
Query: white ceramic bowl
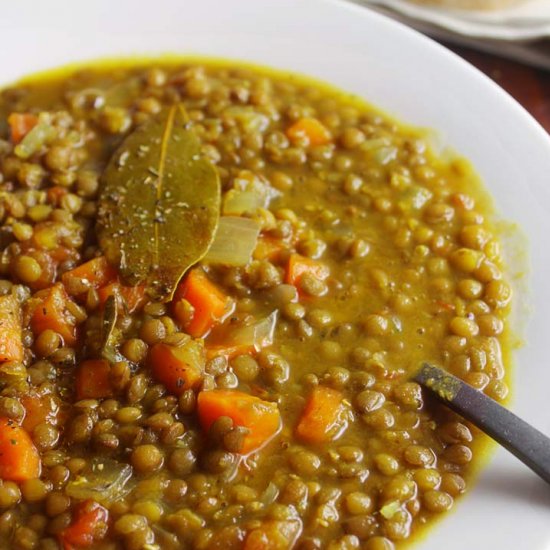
{"points": [[407, 75]]}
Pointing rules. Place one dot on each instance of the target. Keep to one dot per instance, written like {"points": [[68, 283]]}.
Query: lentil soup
{"points": [[264, 401]]}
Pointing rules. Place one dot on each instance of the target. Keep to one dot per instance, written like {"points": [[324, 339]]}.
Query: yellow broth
{"points": [[415, 274]]}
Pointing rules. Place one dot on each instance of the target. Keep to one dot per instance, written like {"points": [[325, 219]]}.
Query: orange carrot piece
{"points": [[20, 125], [273, 535], [50, 312], [261, 418], [39, 409], [324, 417], [55, 194], [19, 458], [93, 379], [134, 296], [299, 265], [209, 303], [90, 523], [311, 128], [11, 331], [95, 273], [179, 368], [268, 248]]}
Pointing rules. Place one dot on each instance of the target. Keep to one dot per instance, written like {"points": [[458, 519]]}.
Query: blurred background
{"points": [[509, 40]]}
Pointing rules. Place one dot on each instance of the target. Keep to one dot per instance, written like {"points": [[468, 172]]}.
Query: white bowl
{"points": [[405, 74]]}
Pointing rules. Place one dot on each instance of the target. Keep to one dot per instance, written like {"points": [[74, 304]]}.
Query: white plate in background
{"points": [[410, 77], [525, 21]]}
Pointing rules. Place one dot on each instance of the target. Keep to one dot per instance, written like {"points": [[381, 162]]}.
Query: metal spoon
{"points": [[521, 439]]}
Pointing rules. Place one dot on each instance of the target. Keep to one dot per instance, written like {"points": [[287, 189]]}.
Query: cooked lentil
{"points": [[395, 262]]}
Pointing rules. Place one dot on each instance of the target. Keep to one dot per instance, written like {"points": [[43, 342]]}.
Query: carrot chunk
{"points": [[98, 274], [92, 379], [95, 273], [179, 368], [324, 417], [19, 458], [20, 125], [90, 523], [261, 418], [50, 312], [273, 535], [299, 265], [55, 194], [268, 248], [39, 409], [209, 303], [134, 296], [310, 128], [11, 332]]}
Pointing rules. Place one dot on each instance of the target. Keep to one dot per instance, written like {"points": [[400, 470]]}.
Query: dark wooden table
{"points": [[531, 87]]}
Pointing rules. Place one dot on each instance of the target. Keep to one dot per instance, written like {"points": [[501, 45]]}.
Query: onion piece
{"points": [[249, 193], [234, 241], [42, 134], [389, 510], [257, 335], [104, 481]]}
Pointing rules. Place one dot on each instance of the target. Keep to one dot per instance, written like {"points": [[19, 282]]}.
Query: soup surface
{"points": [[264, 401]]}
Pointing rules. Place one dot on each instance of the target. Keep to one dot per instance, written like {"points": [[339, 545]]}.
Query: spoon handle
{"points": [[520, 438]]}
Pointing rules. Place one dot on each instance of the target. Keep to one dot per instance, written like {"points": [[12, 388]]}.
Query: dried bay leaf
{"points": [[159, 204]]}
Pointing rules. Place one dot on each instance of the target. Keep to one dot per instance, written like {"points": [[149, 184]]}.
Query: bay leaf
{"points": [[159, 204]]}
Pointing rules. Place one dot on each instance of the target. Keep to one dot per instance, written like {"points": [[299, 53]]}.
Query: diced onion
{"points": [[104, 481], [249, 193], [257, 335], [234, 242], [389, 510], [42, 134]]}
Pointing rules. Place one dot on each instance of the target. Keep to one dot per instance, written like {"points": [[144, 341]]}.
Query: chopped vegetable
{"points": [[248, 117], [41, 134], [19, 458], [299, 265], [268, 248], [11, 332], [95, 273], [179, 368], [257, 335], [227, 351], [274, 535], [134, 297], [210, 305], [234, 242], [249, 193], [39, 408], [414, 198], [324, 418], [385, 155], [243, 340], [389, 510], [20, 125], [50, 312], [261, 418], [92, 379], [100, 275], [310, 128], [55, 194], [89, 524], [104, 480]]}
